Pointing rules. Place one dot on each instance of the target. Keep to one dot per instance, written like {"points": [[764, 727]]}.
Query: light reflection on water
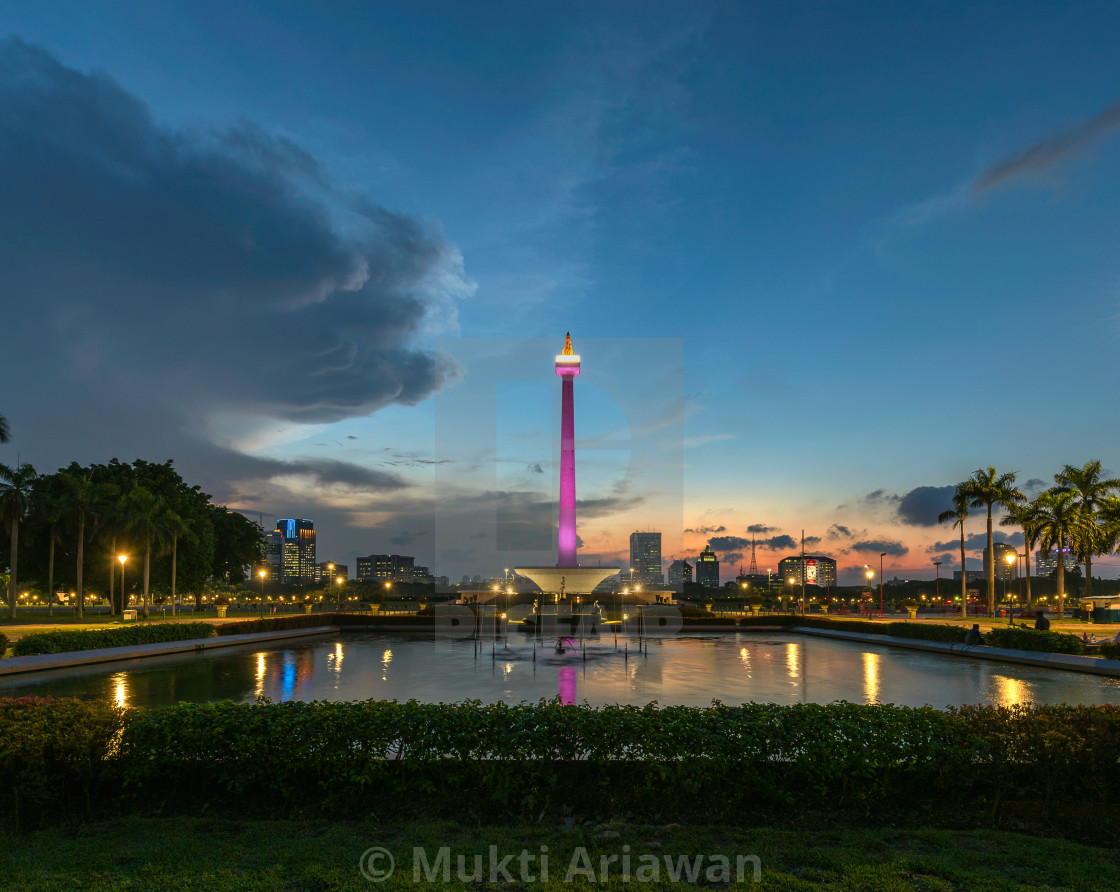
{"points": [[689, 671]]}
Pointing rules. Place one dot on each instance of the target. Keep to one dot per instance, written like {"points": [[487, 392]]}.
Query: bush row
{"points": [[1032, 639], [3, 643], [277, 624], [62, 640], [68, 757]]}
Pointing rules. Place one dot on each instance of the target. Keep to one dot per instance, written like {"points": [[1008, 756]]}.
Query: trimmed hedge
{"points": [[1110, 651], [277, 624], [63, 640], [413, 760], [1032, 639], [3, 644]]}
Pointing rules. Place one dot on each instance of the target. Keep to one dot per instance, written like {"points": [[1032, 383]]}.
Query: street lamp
{"points": [[870, 575], [1010, 557], [262, 574], [789, 582], [881, 556], [338, 581], [124, 598], [937, 581]]}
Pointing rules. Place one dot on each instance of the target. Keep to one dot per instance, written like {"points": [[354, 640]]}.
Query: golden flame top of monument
{"points": [[569, 359]]}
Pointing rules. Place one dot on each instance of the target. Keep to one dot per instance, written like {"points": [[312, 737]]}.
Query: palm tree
{"points": [[15, 498], [1086, 484], [82, 497], [1058, 521], [4, 430], [179, 528], [48, 507], [145, 516], [985, 489], [959, 514], [1024, 516]]}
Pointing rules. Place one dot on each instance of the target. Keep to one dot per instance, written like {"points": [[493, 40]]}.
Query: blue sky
{"points": [[885, 236]]}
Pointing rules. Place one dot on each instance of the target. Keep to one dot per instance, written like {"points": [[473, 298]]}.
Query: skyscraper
{"points": [[680, 572], [298, 564], [707, 568], [1003, 568], [645, 558]]}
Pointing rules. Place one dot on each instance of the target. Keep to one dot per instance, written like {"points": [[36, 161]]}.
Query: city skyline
{"points": [[818, 260]]}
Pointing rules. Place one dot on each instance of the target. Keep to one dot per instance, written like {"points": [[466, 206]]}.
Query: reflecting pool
{"points": [[693, 670]]}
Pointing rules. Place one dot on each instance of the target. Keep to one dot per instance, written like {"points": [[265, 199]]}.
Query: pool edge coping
{"points": [[1068, 662], [72, 658]]}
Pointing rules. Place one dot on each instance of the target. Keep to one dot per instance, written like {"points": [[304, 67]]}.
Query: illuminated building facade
{"points": [[1044, 566], [645, 559], [707, 569], [819, 570], [297, 555], [1004, 570], [391, 568]]}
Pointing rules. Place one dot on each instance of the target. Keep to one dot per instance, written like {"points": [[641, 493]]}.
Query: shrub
{"points": [[54, 754], [64, 640], [927, 632], [1110, 651], [3, 644], [277, 623], [1032, 639], [63, 757]]}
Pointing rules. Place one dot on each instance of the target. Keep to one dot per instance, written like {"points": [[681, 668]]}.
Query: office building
{"points": [[645, 558], [819, 570], [297, 557], [1004, 570], [388, 568], [329, 571], [1044, 566], [680, 572], [707, 568], [969, 576]]}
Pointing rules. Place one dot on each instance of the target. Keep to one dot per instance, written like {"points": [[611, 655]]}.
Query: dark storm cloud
{"points": [[728, 543], [839, 531], [1048, 152], [706, 531], [732, 557], [1034, 486], [921, 506], [724, 544], [976, 542], [761, 528], [880, 496], [190, 269], [877, 546]]}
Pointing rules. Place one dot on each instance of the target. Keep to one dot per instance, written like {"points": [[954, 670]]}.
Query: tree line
{"points": [[69, 529], [1080, 512]]}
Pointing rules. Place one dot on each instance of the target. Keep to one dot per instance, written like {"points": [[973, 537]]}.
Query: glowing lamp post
{"points": [[1010, 558], [870, 576], [338, 582], [124, 598], [262, 574]]}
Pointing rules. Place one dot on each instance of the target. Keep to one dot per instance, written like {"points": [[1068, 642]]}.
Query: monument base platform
{"points": [[575, 580]]}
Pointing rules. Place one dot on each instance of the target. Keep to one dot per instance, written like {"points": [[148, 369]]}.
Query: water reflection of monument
{"points": [[567, 578]]}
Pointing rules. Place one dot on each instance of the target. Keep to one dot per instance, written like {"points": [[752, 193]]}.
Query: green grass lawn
{"points": [[217, 854]]}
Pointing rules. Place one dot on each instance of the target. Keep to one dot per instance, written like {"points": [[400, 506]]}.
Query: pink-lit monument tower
{"points": [[567, 577], [567, 367]]}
